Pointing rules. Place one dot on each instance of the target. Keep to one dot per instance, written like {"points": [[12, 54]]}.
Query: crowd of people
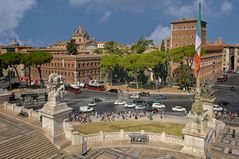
{"points": [[225, 115], [112, 116]]}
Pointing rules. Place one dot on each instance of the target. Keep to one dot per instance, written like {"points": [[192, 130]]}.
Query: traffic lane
{"points": [[230, 96], [111, 107]]}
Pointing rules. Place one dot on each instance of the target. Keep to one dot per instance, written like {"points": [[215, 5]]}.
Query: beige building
{"points": [[230, 57], [183, 32], [211, 62], [75, 68]]}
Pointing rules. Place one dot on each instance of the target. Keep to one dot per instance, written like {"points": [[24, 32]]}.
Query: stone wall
{"points": [[17, 109], [76, 138]]}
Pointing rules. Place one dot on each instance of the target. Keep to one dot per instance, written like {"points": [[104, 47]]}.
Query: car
{"points": [[139, 107], [217, 107], [97, 100], [144, 94], [129, 105], [149, 103], [237, 72], [134, 96], [178, 109], [223, 103], [160, 97], [140, 102], [158, 105], [119, 102], [92, 104], [113, 91], [85, 109]]}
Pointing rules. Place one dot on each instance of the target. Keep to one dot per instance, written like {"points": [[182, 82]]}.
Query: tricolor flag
{"points": [[198, 43]]}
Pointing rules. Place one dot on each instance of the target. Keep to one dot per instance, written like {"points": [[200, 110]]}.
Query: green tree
{"points": [[27, 61], [134, 64], [11, 61], [40, 58], [156, 62], [71, 47], [185, 54], [109, 63], [184, 76], [162, 47], [113, 48], [141, 45]]}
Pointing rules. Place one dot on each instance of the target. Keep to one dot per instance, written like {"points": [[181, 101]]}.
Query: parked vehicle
{"points": [[113, 91], [178, 109], [96, 100], [140, 107], [139, 102], [217, 107], [134, 96], [119, 102], [129, 105], [160, 97], [144, 94], [158, 105], [223, 103], [92, 104], [85, 109], [149, 103]]}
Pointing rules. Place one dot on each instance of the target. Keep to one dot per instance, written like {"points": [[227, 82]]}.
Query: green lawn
{"points": [[135, 126]]}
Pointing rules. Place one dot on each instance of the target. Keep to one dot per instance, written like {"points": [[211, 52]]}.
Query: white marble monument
{"points": [[54, 111]]}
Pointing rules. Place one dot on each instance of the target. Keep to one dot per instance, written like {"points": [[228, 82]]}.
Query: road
{"points": [[223, 92]]}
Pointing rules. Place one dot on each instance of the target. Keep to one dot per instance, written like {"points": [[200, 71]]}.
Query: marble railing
{"points": [[17, 109], [78, 138]]}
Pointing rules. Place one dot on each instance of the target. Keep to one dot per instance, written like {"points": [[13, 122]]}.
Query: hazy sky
{"points": [[43, 22]]}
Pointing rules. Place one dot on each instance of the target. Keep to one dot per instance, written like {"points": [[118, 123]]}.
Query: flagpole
{"points": [[198, 31]]}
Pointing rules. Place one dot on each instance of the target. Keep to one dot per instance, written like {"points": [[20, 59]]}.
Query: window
{"points": [[72, 65]]}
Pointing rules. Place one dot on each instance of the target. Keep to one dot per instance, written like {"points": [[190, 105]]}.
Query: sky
{"points": [[43, 22]]}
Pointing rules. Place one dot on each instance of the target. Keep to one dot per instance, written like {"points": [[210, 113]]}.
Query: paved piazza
{"points": [[136, 152], [227, 146]]}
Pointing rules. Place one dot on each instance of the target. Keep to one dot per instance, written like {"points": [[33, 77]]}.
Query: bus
{"points": [[96, 85]]}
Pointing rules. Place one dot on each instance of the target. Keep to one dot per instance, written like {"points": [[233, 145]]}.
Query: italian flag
{"points": [[198, 43]]}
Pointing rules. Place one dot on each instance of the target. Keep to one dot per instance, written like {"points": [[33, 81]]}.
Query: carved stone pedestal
{"points": [[195, 135], [53, 113]]}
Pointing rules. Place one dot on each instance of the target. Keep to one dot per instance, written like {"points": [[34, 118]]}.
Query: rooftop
{"points": [[186, 20]]}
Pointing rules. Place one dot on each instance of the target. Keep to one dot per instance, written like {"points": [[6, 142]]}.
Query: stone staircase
{"points": [[32, 145]]}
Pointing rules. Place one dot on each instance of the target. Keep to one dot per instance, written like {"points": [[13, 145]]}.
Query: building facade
{"points": [[211, 62], [230, 58], [183, 32], [75, 68]]}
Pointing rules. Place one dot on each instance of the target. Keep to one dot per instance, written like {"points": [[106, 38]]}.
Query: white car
{"points": [[119, 102], [139, 107], [85, 109], [217, 108], [158, 105], [131, 105], [178, 109], [92, 104], [134, 96]]}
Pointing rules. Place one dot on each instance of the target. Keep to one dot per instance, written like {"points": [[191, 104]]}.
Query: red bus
{"points": [[96, 85], [74, 89]]}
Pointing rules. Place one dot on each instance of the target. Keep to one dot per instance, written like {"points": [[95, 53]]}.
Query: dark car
{"points": [[113, 90], [141, 102], [160, 97], [223, 103], [144, 94], [149, 103], [96, 100]]}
